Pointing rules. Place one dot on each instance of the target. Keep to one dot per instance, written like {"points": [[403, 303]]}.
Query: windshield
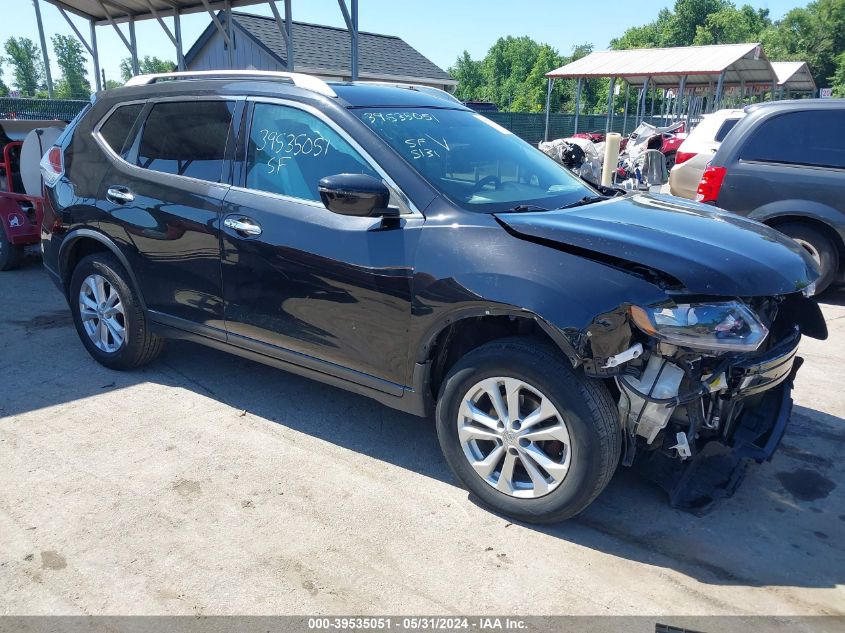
{"points": [[474, 162]]}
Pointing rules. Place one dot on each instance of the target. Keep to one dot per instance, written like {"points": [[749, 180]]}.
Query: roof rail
{"points": [[301, 80]]}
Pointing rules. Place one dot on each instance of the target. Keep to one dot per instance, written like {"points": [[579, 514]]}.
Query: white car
{"points": [[697, 150]]}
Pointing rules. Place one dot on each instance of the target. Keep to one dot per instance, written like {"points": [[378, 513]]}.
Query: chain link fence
{"points": [[40, 109], [529, 126]]}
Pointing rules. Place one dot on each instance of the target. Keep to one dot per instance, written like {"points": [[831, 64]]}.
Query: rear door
{"points": [[791, 156], [163, 195]]}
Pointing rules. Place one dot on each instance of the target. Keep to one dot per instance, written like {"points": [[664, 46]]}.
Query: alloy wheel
{"points": [[514, 437], [102, 313]]}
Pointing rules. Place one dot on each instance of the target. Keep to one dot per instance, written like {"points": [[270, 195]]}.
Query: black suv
{"points": [[391, 241], [784, 165]]}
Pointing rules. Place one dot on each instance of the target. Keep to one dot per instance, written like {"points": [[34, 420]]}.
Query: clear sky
{"points": [[440, 29]]}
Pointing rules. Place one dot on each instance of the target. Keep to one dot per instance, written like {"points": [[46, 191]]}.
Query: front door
{"points": [[332, 292]]}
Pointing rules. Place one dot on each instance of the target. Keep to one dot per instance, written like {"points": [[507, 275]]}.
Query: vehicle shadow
{"points": [[781, 528], [833, 296]]}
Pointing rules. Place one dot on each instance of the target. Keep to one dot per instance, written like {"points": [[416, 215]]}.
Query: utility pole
{"points": [[43, 49]]}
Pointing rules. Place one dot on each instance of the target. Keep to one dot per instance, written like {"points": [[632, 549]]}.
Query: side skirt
{"points": [[409, 400]]}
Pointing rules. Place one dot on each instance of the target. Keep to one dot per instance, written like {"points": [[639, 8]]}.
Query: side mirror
{"points": [[355, 194]]}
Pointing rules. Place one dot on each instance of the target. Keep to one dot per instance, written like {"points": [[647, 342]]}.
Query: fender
{"points": [[87, 233], [446, 320], [802, 208]]}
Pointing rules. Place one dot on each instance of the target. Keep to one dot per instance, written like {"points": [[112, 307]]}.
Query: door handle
{"points": [[244, 226], [119, 194]]}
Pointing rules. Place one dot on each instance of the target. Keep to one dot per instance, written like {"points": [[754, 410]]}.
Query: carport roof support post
{"points": [[91, 48], [46, 57], [679, 103], [230, 48], [643, 101], [577, 103], [352, 26], [548, 106], [625, 112], [719, 89], [609, 122], [177, 30], [95, 56], [133, 49], [284, 30]]}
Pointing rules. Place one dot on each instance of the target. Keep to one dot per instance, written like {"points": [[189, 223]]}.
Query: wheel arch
{"points": [[83, 242], [815, 214], [473, 327], [813, 222]]}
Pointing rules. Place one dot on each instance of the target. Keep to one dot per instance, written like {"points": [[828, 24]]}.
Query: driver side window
{"points": [[290, 150]]}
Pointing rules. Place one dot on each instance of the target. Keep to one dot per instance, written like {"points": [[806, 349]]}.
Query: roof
{"points": [[666, 66], [796, 104], [327, 49], [361, 94], [120, 10], [794, 76]]}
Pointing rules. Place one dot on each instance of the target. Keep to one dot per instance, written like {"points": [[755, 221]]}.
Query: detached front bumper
{"points": [[762, 395]]}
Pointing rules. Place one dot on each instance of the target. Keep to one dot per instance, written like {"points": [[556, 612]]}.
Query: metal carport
{"points": [[794, 77], [117, 12], [685, 68]]}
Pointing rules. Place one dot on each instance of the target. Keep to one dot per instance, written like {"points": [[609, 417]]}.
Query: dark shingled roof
{"points": [[328, 48]]}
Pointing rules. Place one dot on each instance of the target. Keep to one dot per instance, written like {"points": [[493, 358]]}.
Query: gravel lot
{"points": [[208, 484]]}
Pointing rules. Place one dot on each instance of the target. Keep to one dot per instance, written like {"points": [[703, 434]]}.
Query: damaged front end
{"points": [[704, 386]]}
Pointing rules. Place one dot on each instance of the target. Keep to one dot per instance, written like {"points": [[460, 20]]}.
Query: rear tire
{"points": [[575, 466], [10, 254], [108, 315], [819, 247]]}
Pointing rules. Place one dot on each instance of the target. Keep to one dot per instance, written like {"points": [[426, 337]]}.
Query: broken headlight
{"points": [[730, 326]]}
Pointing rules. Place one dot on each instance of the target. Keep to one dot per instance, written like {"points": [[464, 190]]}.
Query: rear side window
{"points": [[813, 137], [727, 126], [186, 138], [116, 128]]}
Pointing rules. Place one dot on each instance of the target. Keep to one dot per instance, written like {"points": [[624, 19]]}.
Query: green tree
{"points": [[730, 25], [4, 89], [814, 34], [73, 83], [692, 22], [470, 78], [838, 79], [512, 75], [147, 65], [27, 68], [688, 16], [112, 83]]}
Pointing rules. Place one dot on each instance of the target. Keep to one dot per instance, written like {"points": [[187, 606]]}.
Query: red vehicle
{"points": [[666, 140], [595, 137], [20, 212]]}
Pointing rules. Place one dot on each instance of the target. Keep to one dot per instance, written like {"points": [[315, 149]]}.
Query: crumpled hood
{"points": [[709, 251]]}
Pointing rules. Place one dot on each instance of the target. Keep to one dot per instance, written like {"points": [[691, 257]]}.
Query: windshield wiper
{"points": [[524, 208], [584, 201]]}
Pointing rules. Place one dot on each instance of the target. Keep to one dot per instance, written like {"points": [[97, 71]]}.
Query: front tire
{"points": [[819, 247], [108, 315], [526, 433]]}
